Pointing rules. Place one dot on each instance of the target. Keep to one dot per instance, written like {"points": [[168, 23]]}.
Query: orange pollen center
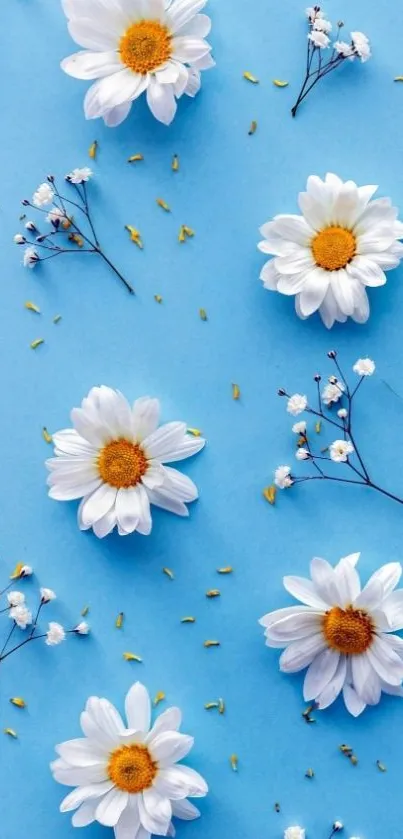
{"points": [[122, 463], [333, 248], [349, 631], [145, 46], [131, 768]]}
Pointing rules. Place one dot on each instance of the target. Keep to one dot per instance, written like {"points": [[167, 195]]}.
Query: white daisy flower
{"points": [[332, 392], [282, 477], [47, 595], [342, 634], [296, 404], [299, 427], [21, 615], [294, 832], [79, 176], [115, 460], [44, 195], [55, 634], [137, 46], [342, 243], [128, 776], [340, 450], [364, 367], [361, 45], [319, 39], [31, 257], [16, 598]]}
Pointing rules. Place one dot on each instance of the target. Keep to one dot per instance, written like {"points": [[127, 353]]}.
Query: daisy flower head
{"points": [[137, 46], [364, 367], [126, 773], [115, 459], [342, 633], [326, 257]]}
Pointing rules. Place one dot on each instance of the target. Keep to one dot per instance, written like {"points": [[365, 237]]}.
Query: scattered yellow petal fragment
{"points": [[250, 77], [135, 158], [132, 657], [32, 307], [203, 314], [213, 592], [11, 732], [212, 644], [37, 343], [92, 151], [381, 766], [270, 493], [17, 571], [159, 697], [221, 706], [84, 611], [57, 319], [169, 573], [210, 705], [157, 298], [398, 79], [46, 436], [188, 231], [227, 570], [18, 702], [181, 237], [175, 163], [318, 427], [135, 236], [188, 619], [195, 432], [119, 620], [253, 127], [236, 391], [163, 204], [76, 239], [279, 83], [234, 762]]}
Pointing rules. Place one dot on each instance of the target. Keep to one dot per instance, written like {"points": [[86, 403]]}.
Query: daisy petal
{"points": [[91, 65], [299, 654], [146, 414], [138, 707], [161, 101], [85, 814], [98, 504], [185, 810], [305, 591], [155, 819], [115, 116], [111, 807], [177, 781], [354, 704], [320, 673], [182, 12], [78, 796], [332, 690], [170, 746], [188, 50], [169, 720]]}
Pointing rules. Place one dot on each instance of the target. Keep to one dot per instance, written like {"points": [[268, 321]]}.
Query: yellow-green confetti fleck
{"points": [[227, 570], [236, 391], [212, 644], [76, 239], [175, 163], [221, 706], [188, 231], [159, 697], [318, 427], [269, 493], [279, 83], [92, 151], [135, 236], [16, 574], [163, 204], [119, 620], [381, 766], [252, 127], [157, 298], [188, 619], [213, 592], [18, 701], [398, 79], [46, 436], [234, 762], [135, 158], [11, 733], [37, 343], [57, 319], [250, 77], [169, 573], [210, 705], [203, 314], [132, 657], [84, 611], [32, 307], [309, 773], [195, 432]]}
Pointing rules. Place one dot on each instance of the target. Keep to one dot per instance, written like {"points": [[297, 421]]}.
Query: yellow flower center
{"points": [[349, 631], [122, 463], [131, 768], [145, 46], [333, 248]]}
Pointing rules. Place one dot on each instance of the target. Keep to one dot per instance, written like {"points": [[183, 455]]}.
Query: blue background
{"points": [[229, 184]]}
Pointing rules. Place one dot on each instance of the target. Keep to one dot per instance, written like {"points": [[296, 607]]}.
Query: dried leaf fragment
{"points": [[163, 204], [175, 163], [203, 314], [318, 427], [46, 436], [76, 239], [18, 702], [37, 343], [185, 232], [132, 657], [135, 158], [210, 705], [236, 391], [11, 733], [381, 766], [92, 151], [213, 592], [250, 77], [398, 79], [252, 127], [159, 697], [221, 706], [188, 619], [169, 573], [84, 611], [212, 644], [269, 493], [119, 620], [234, 762], [227, 570], [195, 432], [279, 83], [135, 236], [309, 773], [32, 307], [57, 319], [157, 298]]}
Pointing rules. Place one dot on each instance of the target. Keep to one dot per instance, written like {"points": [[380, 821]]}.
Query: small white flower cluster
{"points": [[282, 477], [294, 832], [320, 27], [79, 176], [43, 196], [358, 47], [339, 450]]}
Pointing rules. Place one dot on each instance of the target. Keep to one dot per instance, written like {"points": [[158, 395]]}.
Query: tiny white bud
{"points": [[47, 595], [82, 628], [342, 413]]}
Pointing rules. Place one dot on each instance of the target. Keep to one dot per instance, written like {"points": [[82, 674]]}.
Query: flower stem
{"points": [[118, 274], [8, 638]]}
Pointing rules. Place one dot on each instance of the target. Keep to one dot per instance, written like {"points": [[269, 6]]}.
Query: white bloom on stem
{"points": [[302, 454], [16, 598], [29, 225], [344, 49], [333, 392], [319, 39], [313, 13], [19, 239], [326, 257], [31, 257], [127, 774], [56, 216], [55, 634], [296, 404], [82, 628], [361, 45], [115, 459], [322, 25], [282, 477], [340, 450], [299, 427], [338, 826], [342, 633], [21, 615], [294, 832], [364, 367], [44, 195], [47, 595], [79, 176], [135, 47], [26, 571], [342, 413]]}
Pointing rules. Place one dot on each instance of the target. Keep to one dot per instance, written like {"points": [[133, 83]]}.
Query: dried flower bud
{"points": [[332, 354], [30, 226], [19, 239], [51, 179], [333, 380], [25, 202], [317, 377], [337, 826], [281, 392], [340, 24], [40, 238]]}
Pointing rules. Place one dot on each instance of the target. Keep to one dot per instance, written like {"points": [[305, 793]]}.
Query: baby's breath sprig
{"points": [[23, 619], [343, 450], [319, 42], [67, 234]]}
